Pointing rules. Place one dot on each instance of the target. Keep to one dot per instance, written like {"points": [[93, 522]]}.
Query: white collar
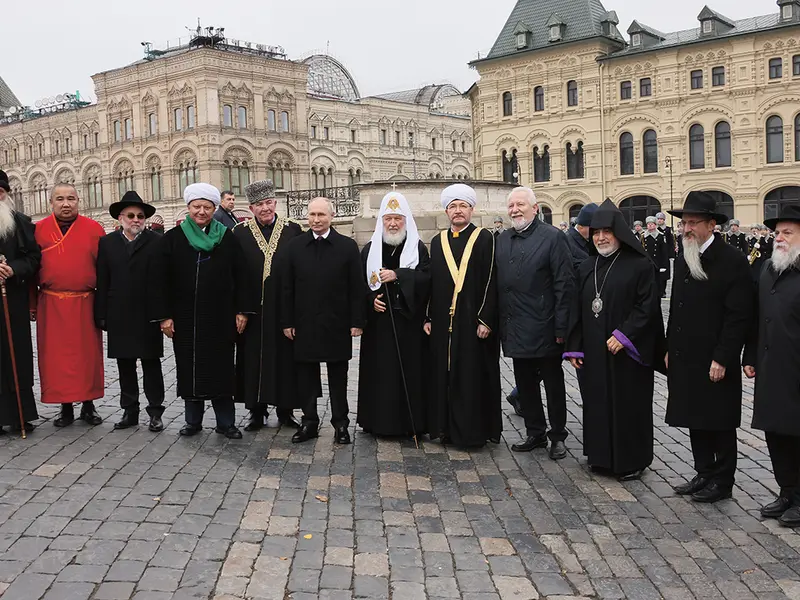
{"points": [[324, 236], [708, 242]]}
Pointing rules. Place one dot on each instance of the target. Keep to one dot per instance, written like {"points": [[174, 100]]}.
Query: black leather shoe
{"points": [[691, 487], [776, 508], [513, 400], [256, 421], [290, 423], [558, 450], [631, 476], [67, 416], [530, 443], [28, 427], [89, 414], [791, 518], [712, 493], [342, 436], [156, 424], [232, 432], [305, 433], [3, 431], [129, 419], [190, 430]]}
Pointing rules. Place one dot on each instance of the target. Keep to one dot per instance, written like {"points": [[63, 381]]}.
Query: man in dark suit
{"points": [[711, 308], [224, 213], [123, 260], [323, 307]]}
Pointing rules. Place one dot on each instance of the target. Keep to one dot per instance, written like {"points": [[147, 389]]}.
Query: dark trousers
{"points": [[308, 383], [281, 413], [715, 455], [224, 411], [527, 373], [784, 452], [153, 385]]}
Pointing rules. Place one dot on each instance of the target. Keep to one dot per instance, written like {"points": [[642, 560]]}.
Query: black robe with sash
{"points": [[465, 378], [382, 405], [265, 373], [617, 390]]}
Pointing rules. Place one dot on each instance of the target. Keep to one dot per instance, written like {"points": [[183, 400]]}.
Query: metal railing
{"points": [[346, 201]]}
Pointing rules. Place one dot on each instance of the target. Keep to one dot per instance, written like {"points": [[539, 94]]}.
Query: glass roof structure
{"points": [[328, 78]]}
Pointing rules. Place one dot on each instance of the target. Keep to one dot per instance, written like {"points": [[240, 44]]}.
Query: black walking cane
{"points": [[400, 360], [11, 351]]}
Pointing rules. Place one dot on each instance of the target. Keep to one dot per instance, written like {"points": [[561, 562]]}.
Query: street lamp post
{"points": [[668, 165]]}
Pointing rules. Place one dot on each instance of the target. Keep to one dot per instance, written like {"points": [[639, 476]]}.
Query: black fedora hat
{"points": [[131, 198], [4, 181], [789, 213], [700, 203]]}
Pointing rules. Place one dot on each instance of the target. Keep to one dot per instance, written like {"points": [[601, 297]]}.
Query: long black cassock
{"points": [[382, 405], [465, 369], [617, 390], [265, 373], [24, 256]]}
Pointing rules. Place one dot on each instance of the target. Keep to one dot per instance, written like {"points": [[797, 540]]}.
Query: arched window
{"points": [[241, 117], [507, 104], [572, 93], [574, 211], [285, 121], [650, 142], [697, 137], [178, 113], [124, 177], [541, 164], [797, 137], [94, 187], [271, 120], [575, 166], [626, 154], [638, 208], [722, 144], [510, 167], [190, 117], [235, 175], [16, 196], [774, 139], [156, 183], [538, 98], [187, 174], [227, 116], [546, 214], [778, 199], [39, 189]]}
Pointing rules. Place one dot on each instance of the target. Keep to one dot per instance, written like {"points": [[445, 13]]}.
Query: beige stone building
{"points": [[569, 106], [227, 112]]}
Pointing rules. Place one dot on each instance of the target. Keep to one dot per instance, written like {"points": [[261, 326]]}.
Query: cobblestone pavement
{"points": [[95, 513]]}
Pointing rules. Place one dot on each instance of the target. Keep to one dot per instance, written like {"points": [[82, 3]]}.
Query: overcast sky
{"points": [[52, 47]]}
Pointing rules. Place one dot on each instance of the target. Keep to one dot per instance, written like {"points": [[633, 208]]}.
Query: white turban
{"points": [[393, 203], [458, 191], [201, 191]]}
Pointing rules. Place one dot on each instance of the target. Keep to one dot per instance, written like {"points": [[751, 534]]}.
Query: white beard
{"points": [[608, 250], [691, 253], [520, 223], [785, 259], [394, 239], [7, 224]]}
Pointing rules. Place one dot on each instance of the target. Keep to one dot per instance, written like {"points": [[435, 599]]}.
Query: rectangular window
{"points": [[636, 40], [190, 117], [227, 116], [396, 138], [85, 142], [433, 143], [454, 145], [96, 141], [313, 132], [697, 79], [625, 90], [410, 139], [572, 93], [241, 117], [67, 146], [57, 148], [645, 87], [463, 146], [708, 26], [284, 121], [717, 76], [326, 133], [383, 137], [41, 150], [271, 120], [775, 68], [117, 131], [796, 64], [786, 12], [353, 136], [128, 129], [178, 119]]}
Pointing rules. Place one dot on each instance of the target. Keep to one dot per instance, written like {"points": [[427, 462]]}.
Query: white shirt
{"points": [[324, 236], [708, 242]]}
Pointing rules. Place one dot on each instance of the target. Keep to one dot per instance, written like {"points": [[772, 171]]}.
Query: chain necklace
{"points": [[597, 303]]}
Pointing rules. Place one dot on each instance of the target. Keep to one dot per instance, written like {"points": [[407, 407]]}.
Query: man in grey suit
{"points": [[224, 214]]}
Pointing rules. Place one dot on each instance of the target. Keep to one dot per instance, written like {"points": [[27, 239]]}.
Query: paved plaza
{"points": [[88, 512]]}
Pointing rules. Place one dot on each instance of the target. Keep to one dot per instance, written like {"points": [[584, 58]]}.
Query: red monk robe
{"points": [[70, 347]]}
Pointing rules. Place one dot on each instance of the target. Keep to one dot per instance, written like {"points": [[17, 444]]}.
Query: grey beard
{"points": [[782, 260], [521, 224], [608, 250], [8, 225], [394, 239], [691, 253]]}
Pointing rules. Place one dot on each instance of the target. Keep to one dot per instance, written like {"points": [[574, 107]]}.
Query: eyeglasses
{"points": [[693, 223], [132, 216]]}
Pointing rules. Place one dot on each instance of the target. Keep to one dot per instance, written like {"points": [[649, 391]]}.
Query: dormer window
{"points": [[555, 33], [708, 26], [521, 41], [636, 40], [786, 12]]}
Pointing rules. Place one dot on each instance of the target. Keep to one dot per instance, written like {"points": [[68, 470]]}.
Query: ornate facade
{"points": [[227, 114], [568, 106]]}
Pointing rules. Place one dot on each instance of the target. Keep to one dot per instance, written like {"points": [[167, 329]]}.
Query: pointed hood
{"points": [[610, 217]]}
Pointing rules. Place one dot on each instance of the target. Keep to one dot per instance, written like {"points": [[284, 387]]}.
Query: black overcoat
{"points": [[579, 248], [24, 256], [535, 281], [265, 372], [774, 351], [739, 241], [202, 292], [323, 296], [658, 251], [709, 321], [120, 303]]}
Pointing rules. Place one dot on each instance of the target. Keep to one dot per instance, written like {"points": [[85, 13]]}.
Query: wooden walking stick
{"points": [[11, 352]]}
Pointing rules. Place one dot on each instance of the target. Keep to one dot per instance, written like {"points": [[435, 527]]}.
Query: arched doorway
{"points": [[574, 211], [546, 214], [777, 199], [724, 202], [638, 208]]}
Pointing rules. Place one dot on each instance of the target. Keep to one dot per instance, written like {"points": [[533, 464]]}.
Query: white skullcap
{"points": [[393, 203], [201, 191], [458, 191]]}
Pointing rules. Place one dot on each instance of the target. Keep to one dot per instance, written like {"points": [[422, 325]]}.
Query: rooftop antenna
{"points": [[328, 48]]}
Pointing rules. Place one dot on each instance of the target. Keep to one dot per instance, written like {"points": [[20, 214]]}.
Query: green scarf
{"points": [[199, 239]]}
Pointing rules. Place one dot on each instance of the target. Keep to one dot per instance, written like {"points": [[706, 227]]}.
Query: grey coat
{"points": [[535, 282]]}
